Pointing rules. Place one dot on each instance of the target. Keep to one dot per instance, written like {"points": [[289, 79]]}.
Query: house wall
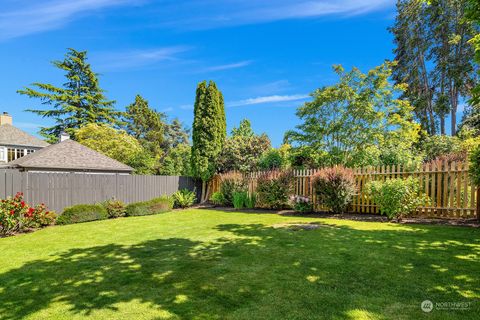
{"points": [[59, 190], [4, 151]]}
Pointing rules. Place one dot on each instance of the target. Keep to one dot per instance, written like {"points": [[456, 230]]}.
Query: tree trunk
{"points": [[478, 203], [454, 101], [205, 192], [442, 124]]}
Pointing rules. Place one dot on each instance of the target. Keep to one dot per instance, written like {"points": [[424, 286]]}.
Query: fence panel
{"points": [[450, 192], [60, 190]]}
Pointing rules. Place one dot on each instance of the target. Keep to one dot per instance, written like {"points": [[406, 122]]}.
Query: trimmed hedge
{"points": [[83, 213], [157, 205]]}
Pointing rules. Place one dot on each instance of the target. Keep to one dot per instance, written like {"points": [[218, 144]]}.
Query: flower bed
{"points": [[17, 216]]}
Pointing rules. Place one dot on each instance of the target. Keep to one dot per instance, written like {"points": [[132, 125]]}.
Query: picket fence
{"points": [[450, 191]]}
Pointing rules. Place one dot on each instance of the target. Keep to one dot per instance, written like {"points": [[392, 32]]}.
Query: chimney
{"points": [[5, 118], [64, 136]]}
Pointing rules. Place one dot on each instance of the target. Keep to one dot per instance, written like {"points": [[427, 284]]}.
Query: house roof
{"points": [[69, 155], [10, 135]]}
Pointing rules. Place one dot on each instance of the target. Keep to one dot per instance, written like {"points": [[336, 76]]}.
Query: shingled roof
{"points": [[12, 136], [69, 155]]}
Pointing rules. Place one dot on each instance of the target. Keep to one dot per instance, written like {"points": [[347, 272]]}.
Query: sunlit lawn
{"points": [[200, 264]]}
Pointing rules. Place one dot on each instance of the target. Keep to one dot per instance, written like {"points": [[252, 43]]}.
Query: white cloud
{"points": [[118, 60], [234, 12], [186, 107], [268, 99], [36, 16], [234, 65]]}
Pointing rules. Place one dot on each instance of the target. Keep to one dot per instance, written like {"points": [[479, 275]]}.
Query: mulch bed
{"points": [[357, 217]]}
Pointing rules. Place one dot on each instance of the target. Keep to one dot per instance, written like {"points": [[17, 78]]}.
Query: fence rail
{"points": [[59, 190], [448, 186]]}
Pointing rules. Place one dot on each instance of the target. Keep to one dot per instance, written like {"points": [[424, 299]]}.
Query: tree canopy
{"points": [[146, 125], [354, 120], [434, 58], [117, 144], [79, 101]]}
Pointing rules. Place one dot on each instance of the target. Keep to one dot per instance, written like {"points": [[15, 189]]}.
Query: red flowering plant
{"points": [[16, 215]]}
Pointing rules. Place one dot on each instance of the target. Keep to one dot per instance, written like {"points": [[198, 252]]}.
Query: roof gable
{"points": [[70, 155], [10, 135]]}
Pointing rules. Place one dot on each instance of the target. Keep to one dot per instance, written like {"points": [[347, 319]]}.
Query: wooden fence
{"points": [[59, 190], [448, 186]]}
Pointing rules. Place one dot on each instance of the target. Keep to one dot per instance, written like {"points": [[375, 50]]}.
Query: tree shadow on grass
{"points": [[258, 272]]}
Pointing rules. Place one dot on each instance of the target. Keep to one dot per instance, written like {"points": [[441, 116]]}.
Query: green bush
{"points": [[231, 183], [157, 205], [335, 188], [251, 200], [396, 197], [475, 166], [82, 213], [240, 199], [217, 198], [271, 160], [274, 189], [184, 198], [115, 208]]}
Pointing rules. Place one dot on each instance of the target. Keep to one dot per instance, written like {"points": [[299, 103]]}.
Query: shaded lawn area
{"points": [[201, 264]]}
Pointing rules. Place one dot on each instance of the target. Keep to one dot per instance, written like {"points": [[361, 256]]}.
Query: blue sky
{"points": [[266, 56]]}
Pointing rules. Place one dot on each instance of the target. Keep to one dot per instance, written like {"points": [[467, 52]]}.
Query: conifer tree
{"points": [[79, 101], [209, 131], [146, 125]]}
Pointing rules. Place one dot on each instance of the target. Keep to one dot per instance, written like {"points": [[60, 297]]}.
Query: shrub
{"points": [[335, 188], [396, 197], [274, 189], [184, 198], [157, 205], [475, 166], [40, 216], [240, 199], [302, 204], [115, 208], [229, 184], [82, 213], [251, 200], [217, 198], [16, 215]]}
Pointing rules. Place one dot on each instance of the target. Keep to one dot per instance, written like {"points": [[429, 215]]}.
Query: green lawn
{"points": [[200, 264]]}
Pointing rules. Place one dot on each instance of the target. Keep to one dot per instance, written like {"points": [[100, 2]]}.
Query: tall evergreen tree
{"points": [[472, 113], [175, 134], [146, 125], [209, 131], [434, 58], [78, 102]]}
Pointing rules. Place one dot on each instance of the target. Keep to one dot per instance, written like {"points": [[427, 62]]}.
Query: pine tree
{"points": [[175, 134], [146, 125], [209, 131], [78, 102]]}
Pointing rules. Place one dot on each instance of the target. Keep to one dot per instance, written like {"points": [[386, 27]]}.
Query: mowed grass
{"points": [[204, 264]]}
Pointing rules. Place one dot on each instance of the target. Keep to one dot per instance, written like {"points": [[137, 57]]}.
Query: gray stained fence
{"points": [[59, 190]]}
